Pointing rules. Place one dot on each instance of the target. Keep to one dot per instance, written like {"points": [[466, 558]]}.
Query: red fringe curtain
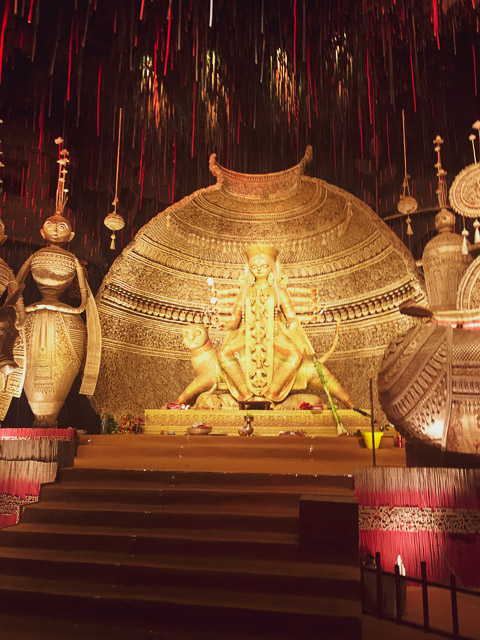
{"points": [[430, 514], [444, 553], [20, 483], [29, 458]]}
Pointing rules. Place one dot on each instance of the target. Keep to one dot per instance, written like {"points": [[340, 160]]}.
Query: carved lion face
{"points": [[194, 336]]}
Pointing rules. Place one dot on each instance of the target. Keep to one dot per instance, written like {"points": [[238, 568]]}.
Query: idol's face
{"points": [[57, 230], [260, 266], [194, 336]]}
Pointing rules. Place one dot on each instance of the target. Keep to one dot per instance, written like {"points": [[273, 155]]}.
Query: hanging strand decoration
{"points": [[442, 190], [114, 220], [472, 137], [1, 166], [253, 77], [3, 237], [407, 203], [476, 126]]}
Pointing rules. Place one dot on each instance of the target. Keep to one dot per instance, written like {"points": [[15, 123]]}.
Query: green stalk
{"points": [[340, 428]]}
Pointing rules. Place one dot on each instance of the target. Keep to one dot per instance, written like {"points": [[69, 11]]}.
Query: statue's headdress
{"points": [[61, 197], [253, 250]]}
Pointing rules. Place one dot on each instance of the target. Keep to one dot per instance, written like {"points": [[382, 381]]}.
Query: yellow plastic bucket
{"points": [[367, 438]]}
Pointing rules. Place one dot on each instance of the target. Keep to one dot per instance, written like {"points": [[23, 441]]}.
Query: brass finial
{"points": [[441, 173]]}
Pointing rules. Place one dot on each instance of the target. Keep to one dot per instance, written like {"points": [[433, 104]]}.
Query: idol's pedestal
{"points": [[265, 423]]}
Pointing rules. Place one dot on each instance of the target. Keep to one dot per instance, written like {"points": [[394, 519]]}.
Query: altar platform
{"points": [[235, 454], [265, 423]]}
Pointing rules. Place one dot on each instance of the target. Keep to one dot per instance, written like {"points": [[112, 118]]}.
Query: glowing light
{"points": [[435, 430]]}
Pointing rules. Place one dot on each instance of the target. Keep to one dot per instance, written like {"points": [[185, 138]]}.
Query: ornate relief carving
{"points": [[464, 193], [262, 186], [328, 241], [429, 385], [468, 294], [267, 423], [444, 263], [439, 520], [10, 505], [117, 296]]}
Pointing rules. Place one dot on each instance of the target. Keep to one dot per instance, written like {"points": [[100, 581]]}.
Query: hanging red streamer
{"points": [[413, 82], [98, 97], [168, 36], [193, 118], [2, 36], [69, 61], [294, 37], [174, 166], [474, 68]]}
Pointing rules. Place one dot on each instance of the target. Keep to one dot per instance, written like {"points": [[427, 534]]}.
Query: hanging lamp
{"points": [[407, 203], [114, 220]]}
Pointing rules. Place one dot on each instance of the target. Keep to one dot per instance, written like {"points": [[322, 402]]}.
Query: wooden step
{"points": [[75, 627], [157, 517], [186, 542], [219, 609], [236, 574], [220, 498], [304, 483], [182, 552]]}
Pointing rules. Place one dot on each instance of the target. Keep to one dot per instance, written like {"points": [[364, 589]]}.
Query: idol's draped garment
{"points": [[259, 359]]}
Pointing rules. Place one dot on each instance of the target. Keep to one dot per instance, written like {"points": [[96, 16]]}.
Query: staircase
{"points": [[176, 554]]}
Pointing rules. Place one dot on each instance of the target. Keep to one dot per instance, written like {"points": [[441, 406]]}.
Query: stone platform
{"points": [[266, 423]]}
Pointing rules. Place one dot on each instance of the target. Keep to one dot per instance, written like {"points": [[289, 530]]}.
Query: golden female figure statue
{"points": [[263, 350], [266, 353], [54, 331]]}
